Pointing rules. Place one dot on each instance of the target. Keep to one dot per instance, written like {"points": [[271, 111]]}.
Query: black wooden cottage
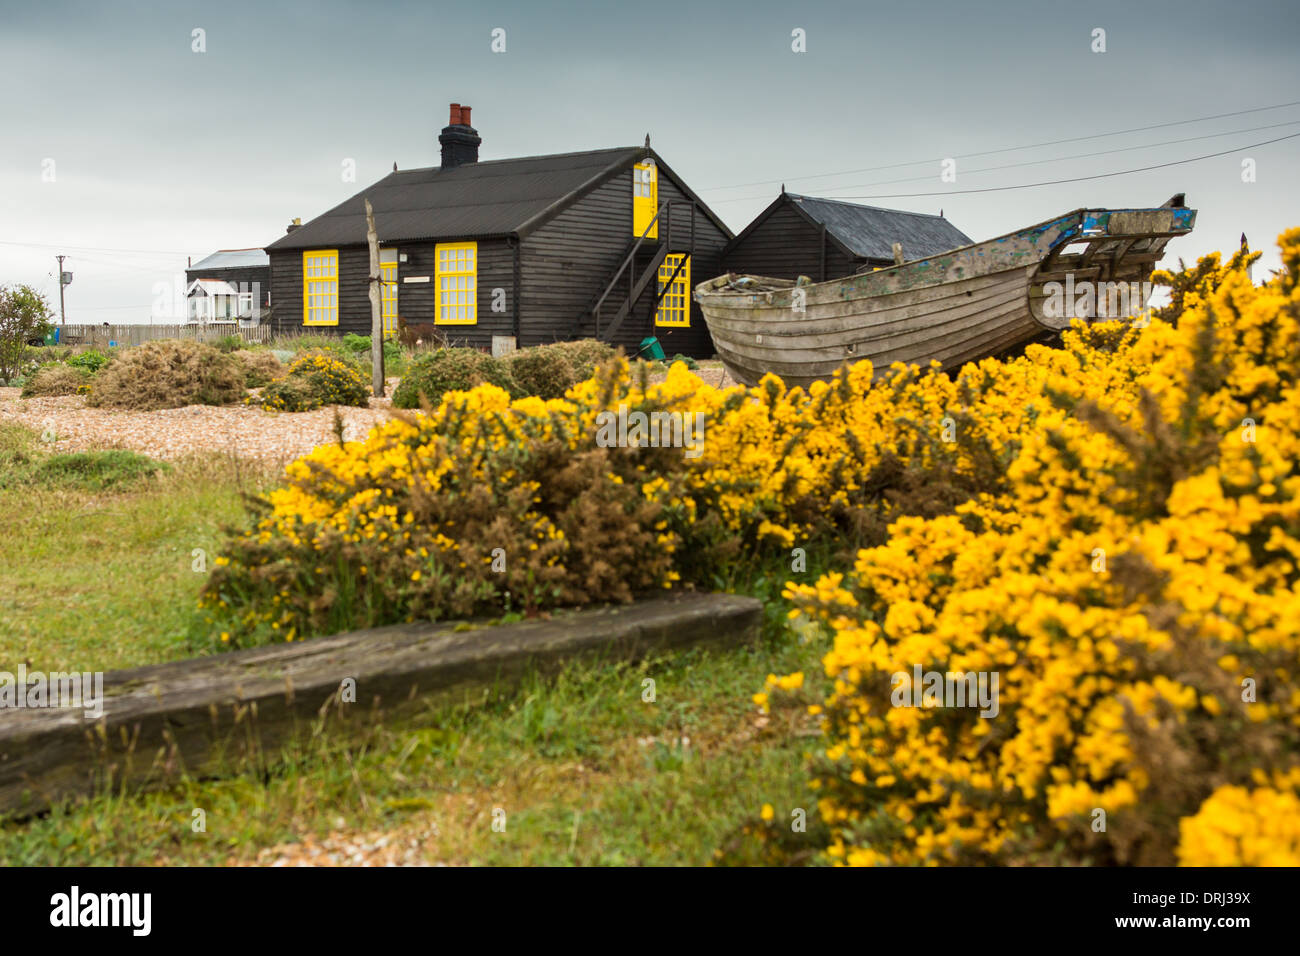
{"points": [[828, 238], [511, 252]]}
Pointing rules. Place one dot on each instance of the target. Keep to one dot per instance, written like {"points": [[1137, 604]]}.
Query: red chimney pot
{"points": [[464, 116], [455, 115]]}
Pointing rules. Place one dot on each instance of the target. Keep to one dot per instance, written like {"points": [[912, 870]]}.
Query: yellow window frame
{"points": [[675, 307], [320, 287], [456, 283], [645, 198], [388, 290]]}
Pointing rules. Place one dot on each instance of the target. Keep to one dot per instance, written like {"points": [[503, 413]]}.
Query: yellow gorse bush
{"points": [[1112, 527], [1134, 588], [314, 380], [515, 505]]}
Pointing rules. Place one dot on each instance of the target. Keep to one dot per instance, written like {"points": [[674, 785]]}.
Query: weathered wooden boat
{"points": [[970, 303]]}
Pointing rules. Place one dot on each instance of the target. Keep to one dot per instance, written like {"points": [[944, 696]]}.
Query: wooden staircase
{"points": [[638, 277]]}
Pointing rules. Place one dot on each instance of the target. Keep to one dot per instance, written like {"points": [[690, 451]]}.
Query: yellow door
{"points": [[388, 290], [645, 198], [675, 306]]}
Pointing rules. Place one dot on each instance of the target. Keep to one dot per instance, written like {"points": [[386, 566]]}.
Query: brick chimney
{"points": [[459, 140]]}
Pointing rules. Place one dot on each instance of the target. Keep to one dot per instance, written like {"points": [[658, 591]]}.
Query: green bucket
{"points": [[650, 348]]}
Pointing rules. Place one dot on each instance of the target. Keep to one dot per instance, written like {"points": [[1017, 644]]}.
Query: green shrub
{"points": [[689, 362], [25, 317], [24, 371], [229, 343], [46, 354], [544, 371], [585, 355], [92, 360], [548, 371], [357, 344], [169, 373], [359, 347], [51, 380], [433, 374], [261, 366]]}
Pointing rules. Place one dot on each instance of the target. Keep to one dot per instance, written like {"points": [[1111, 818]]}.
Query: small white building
{"points": [[215, 300], [231, 285]]}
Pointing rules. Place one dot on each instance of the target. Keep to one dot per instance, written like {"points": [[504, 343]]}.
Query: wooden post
{"points": [[898, 254], [376, 316]]}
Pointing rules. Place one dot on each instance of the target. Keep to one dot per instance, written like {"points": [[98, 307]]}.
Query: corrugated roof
{"points": [[232, 259], [870, 231], [492, 198]]}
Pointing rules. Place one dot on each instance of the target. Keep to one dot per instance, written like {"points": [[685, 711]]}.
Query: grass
{"points": [[96, 470], [584, 769], [97, 551]]}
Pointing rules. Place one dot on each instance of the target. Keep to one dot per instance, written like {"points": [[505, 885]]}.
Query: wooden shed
{"points": [[828, 238], [511, 252]]}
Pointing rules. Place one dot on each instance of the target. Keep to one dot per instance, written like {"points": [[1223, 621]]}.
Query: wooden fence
{"points": [[139, 334]]}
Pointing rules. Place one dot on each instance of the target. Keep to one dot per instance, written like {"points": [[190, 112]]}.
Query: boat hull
{"points": [[957, 307]]}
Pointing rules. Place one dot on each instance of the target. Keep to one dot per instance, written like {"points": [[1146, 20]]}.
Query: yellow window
{"points": [[645, 198], [388, 290], [675, 306], [457, 282], [320, 287]]}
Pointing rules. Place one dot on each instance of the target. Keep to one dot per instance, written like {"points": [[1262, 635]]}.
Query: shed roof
{"points": [[491, 198], [232, 259], [869, 232]]}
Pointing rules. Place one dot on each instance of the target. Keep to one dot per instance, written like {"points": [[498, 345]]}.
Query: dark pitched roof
{"points": [[493, 198], [870, 231]]}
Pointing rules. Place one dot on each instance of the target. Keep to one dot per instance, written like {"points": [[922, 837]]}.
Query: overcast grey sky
{"points": [[160, 152]]}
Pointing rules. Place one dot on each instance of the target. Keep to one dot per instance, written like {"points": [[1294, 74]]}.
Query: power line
{"points": [[129, 268], [1064, 159], [1007, 149], [831, 194], [41, 245], [1079, 179]]}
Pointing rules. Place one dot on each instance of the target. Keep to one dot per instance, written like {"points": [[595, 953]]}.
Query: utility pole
{"points": [[63, 318]]}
